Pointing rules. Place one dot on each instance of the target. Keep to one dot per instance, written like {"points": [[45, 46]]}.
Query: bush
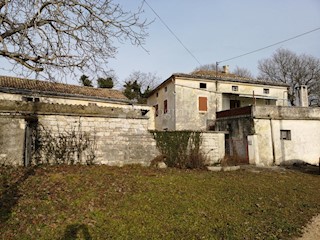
{"points": [[181, 148]]}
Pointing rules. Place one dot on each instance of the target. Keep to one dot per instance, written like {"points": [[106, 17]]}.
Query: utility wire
{"points": [[257, 50], [169, 29]]}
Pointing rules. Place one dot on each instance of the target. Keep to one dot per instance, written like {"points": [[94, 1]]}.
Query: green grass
{"points": [[100, 202]]}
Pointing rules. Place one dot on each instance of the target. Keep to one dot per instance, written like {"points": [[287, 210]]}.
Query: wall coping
{"points": [[40, 108]]}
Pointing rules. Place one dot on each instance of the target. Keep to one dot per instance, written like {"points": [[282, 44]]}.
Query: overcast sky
{"points": [[215, 30]]}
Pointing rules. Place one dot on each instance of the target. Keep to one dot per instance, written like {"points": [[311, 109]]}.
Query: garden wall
{"points": [[54, 133], [12, 134], [213, 146]]}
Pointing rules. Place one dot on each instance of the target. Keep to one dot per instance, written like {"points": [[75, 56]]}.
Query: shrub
{"points": [[181, 148]]}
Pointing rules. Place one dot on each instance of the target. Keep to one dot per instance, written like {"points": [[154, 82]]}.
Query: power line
{"points": [[257, 50], [169, 29]]}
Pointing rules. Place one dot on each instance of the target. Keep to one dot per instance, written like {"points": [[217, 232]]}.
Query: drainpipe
{"points": [[272, 143]]}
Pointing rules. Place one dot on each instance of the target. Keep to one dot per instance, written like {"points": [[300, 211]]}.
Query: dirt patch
{"points": [[312, 230]]}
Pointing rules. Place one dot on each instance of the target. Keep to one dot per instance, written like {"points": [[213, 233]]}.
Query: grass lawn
{"points": [[100, 202]]}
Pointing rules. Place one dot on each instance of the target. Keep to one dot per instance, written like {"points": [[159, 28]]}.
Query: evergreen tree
{"points": [[105, 82], [85, 81]]}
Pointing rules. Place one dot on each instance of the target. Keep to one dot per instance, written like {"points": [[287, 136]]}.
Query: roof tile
{"points": [[59, 88]]}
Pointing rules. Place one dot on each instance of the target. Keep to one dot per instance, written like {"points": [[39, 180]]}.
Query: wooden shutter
{"points": [[203, 104]]}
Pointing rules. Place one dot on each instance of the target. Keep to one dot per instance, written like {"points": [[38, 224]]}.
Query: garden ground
{"points": [[100, 202]]}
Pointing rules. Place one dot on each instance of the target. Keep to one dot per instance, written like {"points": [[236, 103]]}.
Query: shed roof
{"points": [[15, 84]]}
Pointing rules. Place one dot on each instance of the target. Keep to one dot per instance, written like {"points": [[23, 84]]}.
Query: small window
{"points": [[266, 90], [203, 104], [285, 134], [234, 104], [203, 85], [157, 94], [166, 89], [267, 102], [27, 99], [156, 109], [165, 106], [235, 88], [144, 112]]}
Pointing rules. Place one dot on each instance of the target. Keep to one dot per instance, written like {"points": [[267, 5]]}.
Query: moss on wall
{"points": [[61, 109]]}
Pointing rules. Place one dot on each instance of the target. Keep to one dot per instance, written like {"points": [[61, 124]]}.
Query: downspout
{"points": [[272, 143]]}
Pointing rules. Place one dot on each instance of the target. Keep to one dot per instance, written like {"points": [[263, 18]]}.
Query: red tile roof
{"points": [[45, 87]]}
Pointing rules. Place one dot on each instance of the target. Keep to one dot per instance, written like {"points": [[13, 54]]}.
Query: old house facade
{"points": [[272, 135], [190, 101]]}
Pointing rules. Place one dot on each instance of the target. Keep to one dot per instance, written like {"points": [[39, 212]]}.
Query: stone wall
{"points": [[12, 132], [114, 141], [213, 146], [116, 136], [288, 113]]}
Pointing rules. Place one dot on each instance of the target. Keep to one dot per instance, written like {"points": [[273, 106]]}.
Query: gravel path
{"points": [[312, 230]]}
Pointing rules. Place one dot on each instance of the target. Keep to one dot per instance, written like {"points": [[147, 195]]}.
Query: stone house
{"points": [[272, 135], [88, 124], [190, 101]]}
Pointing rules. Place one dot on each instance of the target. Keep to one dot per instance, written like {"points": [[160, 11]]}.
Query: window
{"points": [[144, 112], [267, 102], [157, 94], [235, 88], [156, 109], [31, 99], [166, 89], [27, 99], [203, 104], [165, 106], [266, 90], [234, 104], [203, 85], [285, 134]]}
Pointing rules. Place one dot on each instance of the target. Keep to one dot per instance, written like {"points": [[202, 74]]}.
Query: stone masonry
{"points": [[116, 141], [117, 136]]}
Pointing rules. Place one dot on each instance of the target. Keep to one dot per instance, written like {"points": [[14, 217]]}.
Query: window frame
{"points": [[266, 91], [156, 110], [202, 106], [235, 88], [203, 85], [267, 102], [165, 106], [287, 134], [234, 103]]}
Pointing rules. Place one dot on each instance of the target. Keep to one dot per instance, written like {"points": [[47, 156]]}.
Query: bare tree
{"points": [[212, 68], [50, 36], [295, 70], [242, 72], [208, 67], [139, 84], [146, 80]]}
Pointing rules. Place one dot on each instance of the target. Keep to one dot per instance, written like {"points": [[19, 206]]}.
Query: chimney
{"points": [[303, 96], [225, 69]]}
